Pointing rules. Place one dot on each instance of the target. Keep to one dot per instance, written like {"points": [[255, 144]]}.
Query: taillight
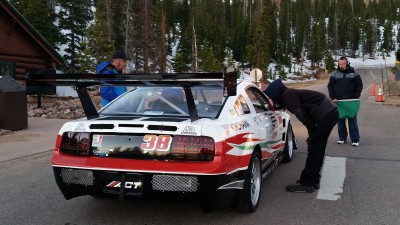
{"points": [[193, 148], [75, 143]]}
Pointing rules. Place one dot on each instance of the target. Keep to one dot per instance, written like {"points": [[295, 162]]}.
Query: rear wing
{"points": [[82, 81]]}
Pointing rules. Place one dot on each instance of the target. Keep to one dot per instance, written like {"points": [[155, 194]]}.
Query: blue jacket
{"points": [[109, 93]]}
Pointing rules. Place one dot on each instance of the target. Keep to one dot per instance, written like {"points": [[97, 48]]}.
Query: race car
{"points": [[205, 134]]}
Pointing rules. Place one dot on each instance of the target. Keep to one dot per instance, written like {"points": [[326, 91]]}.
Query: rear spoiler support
{"points": [[87, 103]]}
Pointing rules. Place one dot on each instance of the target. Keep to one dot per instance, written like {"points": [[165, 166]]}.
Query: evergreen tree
{"points": [[74, 18], [316, 50], [329, 62], [302, 24], [117, 12], [209, 62], [179, 63], [258, 54], [97, 47], [42, 17], [284, 39], [387, 44], [398, 37]]}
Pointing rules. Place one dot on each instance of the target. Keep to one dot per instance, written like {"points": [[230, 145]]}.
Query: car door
{"points": [[268, 122]]}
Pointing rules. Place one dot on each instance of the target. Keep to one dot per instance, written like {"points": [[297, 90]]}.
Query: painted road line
{"points": [[332, 179]]}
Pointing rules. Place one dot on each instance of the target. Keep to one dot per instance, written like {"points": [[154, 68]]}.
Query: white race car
{"points": [[204, 134]]}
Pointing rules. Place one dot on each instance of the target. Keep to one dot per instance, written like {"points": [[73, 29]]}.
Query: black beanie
{"points": [[274, 90], [119, 54]]}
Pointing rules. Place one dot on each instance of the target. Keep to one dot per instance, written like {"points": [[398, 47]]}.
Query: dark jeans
{"points": [[316, 149], [353, 129]]}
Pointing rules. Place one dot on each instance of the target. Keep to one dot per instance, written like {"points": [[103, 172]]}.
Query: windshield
{"points": [[167, 101]]}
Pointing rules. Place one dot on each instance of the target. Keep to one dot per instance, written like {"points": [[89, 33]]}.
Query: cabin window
{"points": [[7, 68]]}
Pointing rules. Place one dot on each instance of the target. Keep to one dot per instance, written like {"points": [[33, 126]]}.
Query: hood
{"points": [[101, 66], [274, 91]]}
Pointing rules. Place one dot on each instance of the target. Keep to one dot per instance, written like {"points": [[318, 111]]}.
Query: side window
{"points": [[240, 106], [258, 99], [7, 68]]}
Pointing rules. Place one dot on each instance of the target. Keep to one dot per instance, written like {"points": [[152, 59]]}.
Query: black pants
{"points": [[316, 149]]}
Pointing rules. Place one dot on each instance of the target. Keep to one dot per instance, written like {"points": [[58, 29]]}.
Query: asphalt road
{"points": [[370, 190]]}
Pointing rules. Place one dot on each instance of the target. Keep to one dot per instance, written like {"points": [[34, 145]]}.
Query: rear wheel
{"points": [[289, 145], [250, 195]]}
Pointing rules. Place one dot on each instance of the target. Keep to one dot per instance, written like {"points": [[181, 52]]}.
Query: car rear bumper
{"points": [[74, 182]]}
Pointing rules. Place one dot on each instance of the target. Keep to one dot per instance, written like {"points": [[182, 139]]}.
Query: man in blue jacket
{"points": [[116, 66]]}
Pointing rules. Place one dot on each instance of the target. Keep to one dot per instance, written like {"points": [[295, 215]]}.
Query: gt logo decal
{"points": [[153, 142], [128, 184]]}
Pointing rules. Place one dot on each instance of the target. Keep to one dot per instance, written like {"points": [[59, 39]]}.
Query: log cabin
{"points": [[22, 47]]}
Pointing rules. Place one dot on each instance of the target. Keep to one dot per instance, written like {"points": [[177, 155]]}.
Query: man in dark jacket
{"points": [[345, 83], [319, 114], [117, 65]]}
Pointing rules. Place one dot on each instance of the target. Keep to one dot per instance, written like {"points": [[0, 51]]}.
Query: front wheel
{"points": [[289, 145], [250, 195]]}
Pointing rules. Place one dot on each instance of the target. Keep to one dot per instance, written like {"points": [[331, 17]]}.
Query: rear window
{"points": [[167, 101]]}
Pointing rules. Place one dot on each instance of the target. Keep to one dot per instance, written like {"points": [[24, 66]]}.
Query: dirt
{"points": [[14, 137]]}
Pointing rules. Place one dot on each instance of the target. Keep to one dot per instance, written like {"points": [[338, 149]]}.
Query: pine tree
{"points": [[97, 47], [117, 10], [329, 62], [74, 18], [210, 62], [284, 40], [42, 17], [387, 44], [179, 63], [316, 50]]}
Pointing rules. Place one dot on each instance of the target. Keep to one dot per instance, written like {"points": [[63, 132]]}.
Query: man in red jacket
{"points": [[319, 114]]}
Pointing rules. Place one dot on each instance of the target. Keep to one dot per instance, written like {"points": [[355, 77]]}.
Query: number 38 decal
{"points": [[153, 142]]}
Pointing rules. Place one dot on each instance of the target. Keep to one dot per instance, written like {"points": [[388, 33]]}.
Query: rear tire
{"points": [[289, 145], [250, 195]]}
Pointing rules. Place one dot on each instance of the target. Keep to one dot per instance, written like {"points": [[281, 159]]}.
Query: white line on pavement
{"points": [[332, 178]]}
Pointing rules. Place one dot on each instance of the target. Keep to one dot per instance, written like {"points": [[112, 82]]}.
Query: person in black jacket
{"points": [[319, 114], [345, 83]]}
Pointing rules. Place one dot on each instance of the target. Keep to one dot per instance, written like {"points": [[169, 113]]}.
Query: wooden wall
{"points": [[16, 45]]}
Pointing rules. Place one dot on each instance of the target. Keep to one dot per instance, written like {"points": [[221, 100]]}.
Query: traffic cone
{"points": [[379, 97], [373, 91]]}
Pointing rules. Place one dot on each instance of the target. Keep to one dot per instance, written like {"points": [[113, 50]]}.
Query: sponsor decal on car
{"points": [[153, 113], [229, 129], [80, 127], [189, 130], [97, 140], [156, 143], [128, 184]]}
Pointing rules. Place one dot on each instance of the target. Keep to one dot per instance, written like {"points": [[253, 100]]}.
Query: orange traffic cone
{"points": [[379, 97], [373, 91]]}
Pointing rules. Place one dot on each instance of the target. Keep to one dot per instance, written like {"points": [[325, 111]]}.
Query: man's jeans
{"points": [[353, 129]]}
